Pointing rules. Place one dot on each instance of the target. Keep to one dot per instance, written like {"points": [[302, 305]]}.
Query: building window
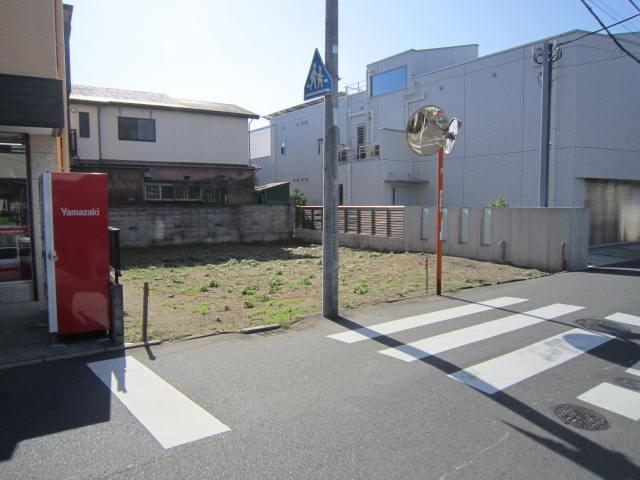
{"points": [[463, 235], [173, 192], [340, 194], [320, 144], [486, 226], [138, 129], [424, 235], [83, 125], [283, 147], [443, 231], [361, 139], [388, 82], [15, 226]]}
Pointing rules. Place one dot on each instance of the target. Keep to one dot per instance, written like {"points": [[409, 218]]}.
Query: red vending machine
{"points": [[76, 237]]}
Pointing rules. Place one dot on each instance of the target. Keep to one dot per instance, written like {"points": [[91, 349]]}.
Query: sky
{"points": [[256, 53]]}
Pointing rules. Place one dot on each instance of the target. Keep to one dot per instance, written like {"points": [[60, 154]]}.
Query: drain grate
{"points": [[630, 383], [581, 417], [604, 326]]}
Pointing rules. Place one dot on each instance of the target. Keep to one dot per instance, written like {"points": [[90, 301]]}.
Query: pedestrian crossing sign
{"points": [[318, 83]]}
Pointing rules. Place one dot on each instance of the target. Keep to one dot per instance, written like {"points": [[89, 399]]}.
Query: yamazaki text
{"points": [[92, 212]]}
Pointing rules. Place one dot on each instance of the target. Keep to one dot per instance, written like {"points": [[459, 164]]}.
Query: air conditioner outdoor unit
{"points": [[362, 152], [343, 154], [375, 150]]}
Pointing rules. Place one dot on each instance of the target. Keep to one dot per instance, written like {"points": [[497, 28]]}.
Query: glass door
{"points": [[15, 231]]}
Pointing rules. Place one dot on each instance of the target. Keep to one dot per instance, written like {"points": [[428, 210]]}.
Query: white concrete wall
{"points": [[28, 38], [180, 136], [525, 237], [260, 142]]}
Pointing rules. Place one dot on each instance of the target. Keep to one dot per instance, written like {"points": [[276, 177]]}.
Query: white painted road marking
{"points": [[625, 318], [634, 369], [616, 399], [407, 323], [465, 336], [502, 372], [170, 416]]}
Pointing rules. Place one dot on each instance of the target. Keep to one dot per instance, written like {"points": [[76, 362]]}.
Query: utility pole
{"points": [[545, 134], [330, 168]]}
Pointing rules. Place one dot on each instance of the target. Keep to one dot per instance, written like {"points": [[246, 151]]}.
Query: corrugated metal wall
{"points": [[614, 207]]}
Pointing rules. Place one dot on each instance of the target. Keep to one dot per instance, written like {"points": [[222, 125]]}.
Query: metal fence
{"points": [[380, 221]]}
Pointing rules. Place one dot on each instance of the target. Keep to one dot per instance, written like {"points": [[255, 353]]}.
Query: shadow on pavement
{"points": [[48, 398], [584, 452]]}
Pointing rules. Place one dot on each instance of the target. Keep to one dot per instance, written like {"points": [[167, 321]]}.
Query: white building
{"points": [[594, 157], [157, 148]]}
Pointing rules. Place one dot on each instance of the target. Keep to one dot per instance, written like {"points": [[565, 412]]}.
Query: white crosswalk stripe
{"points": [[504, 371], [625, 318], [465, 336], [169, 415], [634, 369], [402, 324], [616, 399]]}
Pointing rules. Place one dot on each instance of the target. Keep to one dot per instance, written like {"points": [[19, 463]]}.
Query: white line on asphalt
{"points": [[616, 399], [502, 372], [465, 336], [171, 417], [634, 369], [625, 318], [407, 323]]}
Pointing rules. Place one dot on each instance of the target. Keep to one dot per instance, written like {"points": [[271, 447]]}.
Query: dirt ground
{"points": [[198, 289]]}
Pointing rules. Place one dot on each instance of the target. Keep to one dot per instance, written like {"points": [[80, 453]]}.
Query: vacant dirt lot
{"points": [[206, 288]]}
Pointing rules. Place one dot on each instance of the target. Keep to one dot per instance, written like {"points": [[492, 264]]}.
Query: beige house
{"points": [[34, 70]]}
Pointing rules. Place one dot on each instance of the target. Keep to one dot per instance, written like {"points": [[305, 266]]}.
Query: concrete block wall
{"points": [[176, 224], [525, 237]]}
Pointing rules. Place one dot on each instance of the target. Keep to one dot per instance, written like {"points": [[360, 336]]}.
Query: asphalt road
{"points": [[301, 405]]}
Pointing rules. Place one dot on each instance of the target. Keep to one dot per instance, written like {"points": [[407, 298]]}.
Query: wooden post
{"points": [[426, 274], [145, 312]]}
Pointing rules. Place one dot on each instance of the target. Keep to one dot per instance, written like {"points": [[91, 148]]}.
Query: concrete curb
{"points": [[87, 353], [259, 328]]}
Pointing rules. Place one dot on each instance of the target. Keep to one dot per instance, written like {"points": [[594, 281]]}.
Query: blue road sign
{"points": [[318, 83]]}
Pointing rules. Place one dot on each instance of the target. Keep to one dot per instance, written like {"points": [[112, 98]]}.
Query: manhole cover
{"points": [[630, 383], [604, 326], [580, 417]]}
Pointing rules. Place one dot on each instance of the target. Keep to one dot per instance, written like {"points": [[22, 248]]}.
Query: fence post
{"points": [[145, 312], [345, 217], [373, 221], [359, 220], [426, 274], [388, 222], [313, 218]]}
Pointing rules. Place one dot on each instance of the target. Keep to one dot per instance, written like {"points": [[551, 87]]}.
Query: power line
{"points": [[601, 29], [615, 40], [610, 12], [633, 3]]}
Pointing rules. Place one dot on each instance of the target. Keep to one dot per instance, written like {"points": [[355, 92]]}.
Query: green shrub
{"points": [[499, 202], [202, 309], [361, 288]]}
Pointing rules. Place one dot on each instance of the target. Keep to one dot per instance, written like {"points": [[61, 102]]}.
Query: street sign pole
{"points": [[330, 196], [439, 228]]}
